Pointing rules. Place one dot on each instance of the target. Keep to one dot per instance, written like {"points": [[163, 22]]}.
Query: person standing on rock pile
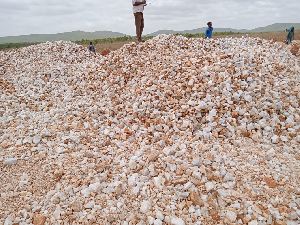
{"points": [[291, 35], [209, 30], [138, 9], [92, 47]]}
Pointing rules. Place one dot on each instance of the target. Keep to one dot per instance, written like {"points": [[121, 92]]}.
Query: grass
{"points": [[115, 43], [15, 45], [106, 40], [276, 36]]}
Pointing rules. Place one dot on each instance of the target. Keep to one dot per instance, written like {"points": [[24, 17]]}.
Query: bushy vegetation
{"points": [[14, 45], [106, 40], [201, 35], [115, 40]]}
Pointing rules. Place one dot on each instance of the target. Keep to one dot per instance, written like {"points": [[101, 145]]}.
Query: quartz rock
{"points": [[90, 205], [209, 186], [177, 221], [8, 220], [36, 139], [160, 215], [157, 222], [275, 139], [57, 213], [231, 216], [253, 222], [10, 161], [145, 206]]}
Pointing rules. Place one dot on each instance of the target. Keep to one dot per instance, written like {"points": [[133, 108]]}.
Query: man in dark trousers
{"points": [[138, 9]]}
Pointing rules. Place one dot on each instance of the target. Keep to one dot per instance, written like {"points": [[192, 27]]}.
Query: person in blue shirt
{"points": [[291, 35], [209, 30]]}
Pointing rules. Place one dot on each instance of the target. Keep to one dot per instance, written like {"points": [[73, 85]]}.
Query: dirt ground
{"points": [[110, 46], [276, 36]]}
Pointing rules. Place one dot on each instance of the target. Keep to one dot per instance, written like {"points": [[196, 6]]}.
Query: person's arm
{"points": [[139, 3]]}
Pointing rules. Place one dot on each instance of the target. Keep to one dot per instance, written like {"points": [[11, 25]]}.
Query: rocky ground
{"points": [[172, 131]]}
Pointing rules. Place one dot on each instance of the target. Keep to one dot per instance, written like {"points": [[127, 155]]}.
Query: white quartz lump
{"points": [[170, 131]]}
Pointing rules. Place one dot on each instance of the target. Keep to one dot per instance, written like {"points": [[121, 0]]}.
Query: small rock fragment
{"points": [[195, 198], [39, 219]]}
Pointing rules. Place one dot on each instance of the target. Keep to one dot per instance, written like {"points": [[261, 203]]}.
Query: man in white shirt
{"points": [[138, 9]]}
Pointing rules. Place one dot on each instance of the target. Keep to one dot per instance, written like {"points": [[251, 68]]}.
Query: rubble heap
{"points": [[171, 131]]}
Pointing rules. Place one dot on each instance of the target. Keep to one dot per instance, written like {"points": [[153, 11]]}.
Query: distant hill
{"points": [[277, 27], [79, 35], [270, 28], [67, 36]]}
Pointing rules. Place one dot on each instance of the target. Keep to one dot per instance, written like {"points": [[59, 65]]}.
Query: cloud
{"points": [[52, 16]]}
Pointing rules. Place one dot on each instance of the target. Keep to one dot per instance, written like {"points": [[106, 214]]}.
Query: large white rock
{"points": [[253, 222], [275, 139], [8, 220], [157, 222], [145, 206], [177, 221], [209, 186], [90, 205], [36, 139], [160, 215], [10, 161], [231, 216]]}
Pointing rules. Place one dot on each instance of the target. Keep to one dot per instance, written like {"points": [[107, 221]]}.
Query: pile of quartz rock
{"points": [[171, 131]]}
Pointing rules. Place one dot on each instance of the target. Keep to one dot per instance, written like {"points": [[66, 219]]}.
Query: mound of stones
{"points": [[294, 48], [171, 131]]}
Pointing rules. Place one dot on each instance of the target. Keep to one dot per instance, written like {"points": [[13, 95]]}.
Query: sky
{"points": [[52, 16]]}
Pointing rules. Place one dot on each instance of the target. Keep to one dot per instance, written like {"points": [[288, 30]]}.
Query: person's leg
{"points": [[289, 39], [138, 21], [142, 25]]}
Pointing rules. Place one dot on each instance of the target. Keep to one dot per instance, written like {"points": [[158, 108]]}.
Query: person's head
{"points": [[292, 29], [91, 43], [209, 24]]}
